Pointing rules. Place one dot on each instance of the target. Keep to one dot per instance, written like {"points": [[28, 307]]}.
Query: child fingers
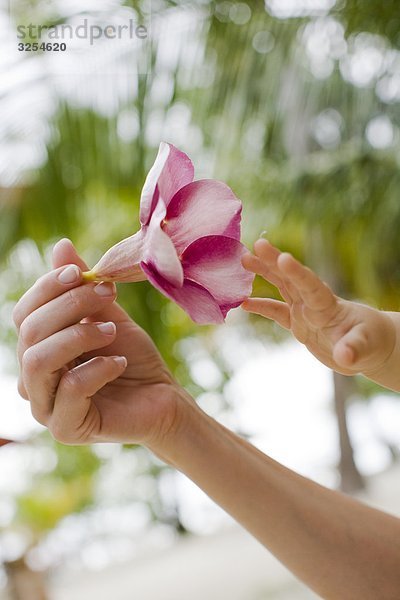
{"points": [[268, 270], [269, 256], [269, 308], [314, 292], [255, 265], [266, 251], [76, 419]]}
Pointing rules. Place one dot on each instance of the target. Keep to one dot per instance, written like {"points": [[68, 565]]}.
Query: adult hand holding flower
{"points": [[76, 343], [188, 245], [90, 373]]}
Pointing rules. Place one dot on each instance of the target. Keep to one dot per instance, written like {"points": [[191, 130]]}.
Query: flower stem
{"points": [[88, 276]]}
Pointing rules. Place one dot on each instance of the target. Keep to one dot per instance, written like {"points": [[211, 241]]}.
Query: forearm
{"points": [[342, 549], [388, 374]]}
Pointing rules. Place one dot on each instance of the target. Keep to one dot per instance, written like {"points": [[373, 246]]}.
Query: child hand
{"points": [[84, 383], [346, 336]]}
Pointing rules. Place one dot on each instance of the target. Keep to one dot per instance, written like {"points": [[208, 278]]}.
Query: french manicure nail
{"points": [[121, 361], [108, 328], [69, 275], [105, 289]]}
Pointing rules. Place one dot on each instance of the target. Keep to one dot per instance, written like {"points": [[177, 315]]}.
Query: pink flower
{"points": [[188, 245]]}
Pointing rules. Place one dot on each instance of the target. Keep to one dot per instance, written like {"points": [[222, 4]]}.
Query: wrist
{"points": [[385, 367], [189, 423]]}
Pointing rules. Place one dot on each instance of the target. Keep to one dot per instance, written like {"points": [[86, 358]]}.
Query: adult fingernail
{"points": [[69, 275], [108, 328], [120, 360], [105, 289]]}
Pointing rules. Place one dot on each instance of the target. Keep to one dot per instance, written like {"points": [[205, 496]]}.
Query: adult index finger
{"points": [[49, 286]]}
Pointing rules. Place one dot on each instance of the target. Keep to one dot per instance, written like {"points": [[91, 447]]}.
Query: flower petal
{"points": [[159, 251], [201, 208], [192, 297], [214, 262], [121, 262], [172, 170], [225, 308]]}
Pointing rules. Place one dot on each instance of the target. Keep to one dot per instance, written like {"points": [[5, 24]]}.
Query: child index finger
{"points": [[314, 292]]}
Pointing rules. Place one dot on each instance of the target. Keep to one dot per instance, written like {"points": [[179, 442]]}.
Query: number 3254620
{"points": [[44, 47]]}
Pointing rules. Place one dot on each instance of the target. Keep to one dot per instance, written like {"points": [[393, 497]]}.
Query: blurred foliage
{"points": [[377, 17], [243, 100], [65, 486]]}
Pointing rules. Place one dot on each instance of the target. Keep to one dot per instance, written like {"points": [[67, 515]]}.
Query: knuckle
{"points": [[70, 383], [22, 390], [17, 316], [31, 361], [79, 335], [29, 331], [282, 290], [59, 432], [74, 299], [39, 415], [102, 362]]}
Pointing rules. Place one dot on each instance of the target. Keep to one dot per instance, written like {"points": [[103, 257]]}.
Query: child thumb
{"points": [[352, 347]]}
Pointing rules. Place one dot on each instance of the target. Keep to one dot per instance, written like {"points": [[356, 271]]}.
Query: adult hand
{"points": [[90, 373]]}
